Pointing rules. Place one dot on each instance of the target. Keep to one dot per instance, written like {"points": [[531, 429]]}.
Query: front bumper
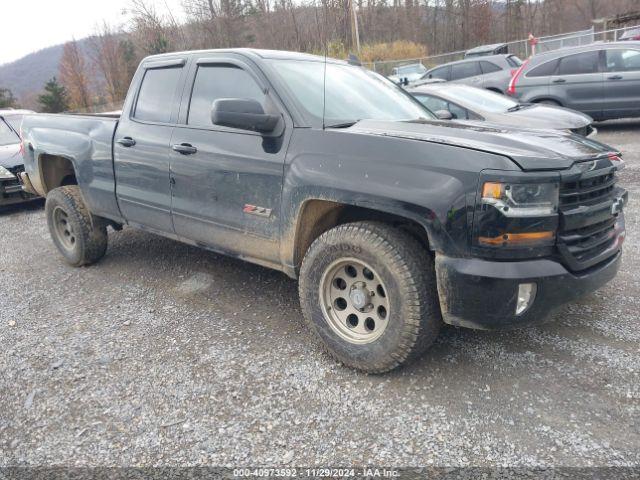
{"points": [[482, 294]]}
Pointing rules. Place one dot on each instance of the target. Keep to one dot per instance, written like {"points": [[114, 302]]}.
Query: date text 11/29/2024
{"points": [[364, 472]]}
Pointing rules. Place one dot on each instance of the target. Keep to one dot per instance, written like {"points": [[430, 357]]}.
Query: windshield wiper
{"points": [[519, 106], [342, 125]]}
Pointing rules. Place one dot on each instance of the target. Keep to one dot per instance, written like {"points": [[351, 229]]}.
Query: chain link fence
{"points": [[521, 48]]}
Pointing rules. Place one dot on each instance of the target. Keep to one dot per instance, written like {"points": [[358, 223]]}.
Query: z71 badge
{"points": [[255, 210]]}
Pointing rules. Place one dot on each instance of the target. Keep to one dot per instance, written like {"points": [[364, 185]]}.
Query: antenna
{"points": [[324, 72]]}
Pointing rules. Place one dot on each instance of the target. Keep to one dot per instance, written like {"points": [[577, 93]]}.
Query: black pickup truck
{"points": [[392, 220]]}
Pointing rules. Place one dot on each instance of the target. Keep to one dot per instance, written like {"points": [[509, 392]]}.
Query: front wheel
{"points": [[369, 293], [80, 237]]}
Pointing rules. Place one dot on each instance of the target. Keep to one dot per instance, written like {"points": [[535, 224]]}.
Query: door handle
{"points": [[615, 77], [559, 80], [184, 148], [126, 141]]}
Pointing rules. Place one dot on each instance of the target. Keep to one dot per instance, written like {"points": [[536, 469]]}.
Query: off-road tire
{"points": [[407, 269], [90, 232]]}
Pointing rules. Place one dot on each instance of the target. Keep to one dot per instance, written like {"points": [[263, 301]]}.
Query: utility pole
{"points": [[355, 34]]}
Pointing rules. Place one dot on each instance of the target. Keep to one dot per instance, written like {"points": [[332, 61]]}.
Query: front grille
{"points": [[588, 190], [587, 230], [588, 242]]}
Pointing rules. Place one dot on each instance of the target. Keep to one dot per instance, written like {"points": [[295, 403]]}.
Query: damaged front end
{"points": [[11, 188]]}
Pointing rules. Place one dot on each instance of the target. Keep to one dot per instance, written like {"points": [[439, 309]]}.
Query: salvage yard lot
{"points": [[164, 354]]}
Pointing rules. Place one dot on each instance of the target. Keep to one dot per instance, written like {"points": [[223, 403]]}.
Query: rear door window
{"points": [[432, 103], [458, 112], [488, 67], [545, 70], [465, 70], [623, 60], [220, 81], [442, 72], [436, 103], [580, 63], [156, 97]]}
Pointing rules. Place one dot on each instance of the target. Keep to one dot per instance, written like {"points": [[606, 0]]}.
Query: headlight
{"points": [[522, 200], [4, 173], [517, 215]]}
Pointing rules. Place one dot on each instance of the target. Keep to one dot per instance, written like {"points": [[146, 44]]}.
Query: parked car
{"points": [[392, 220], [484, 50], [601, 80], [407, 73], [11, 163], [453, 101], [631, 34], [492, 72]]}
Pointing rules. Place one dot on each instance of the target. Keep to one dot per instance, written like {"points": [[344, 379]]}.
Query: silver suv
{"points": [[492, 72], [601, 80]]}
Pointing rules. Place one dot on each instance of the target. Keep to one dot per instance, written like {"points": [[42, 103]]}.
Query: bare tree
{"points": [[74, 76], [112, 61]]}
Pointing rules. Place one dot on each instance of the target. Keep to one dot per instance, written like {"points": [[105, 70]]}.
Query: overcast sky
{"points": [[30, 25]]}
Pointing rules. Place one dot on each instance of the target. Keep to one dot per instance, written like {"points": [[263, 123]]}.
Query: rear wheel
{"points": [[369, 293], [80, 237]]}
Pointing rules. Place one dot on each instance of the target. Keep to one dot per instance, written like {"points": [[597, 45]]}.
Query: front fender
{"points": [[432, 184], [443, 228]]}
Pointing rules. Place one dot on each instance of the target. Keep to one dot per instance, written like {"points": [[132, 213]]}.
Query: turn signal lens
{"points": [[522, 239], [493, 190]]}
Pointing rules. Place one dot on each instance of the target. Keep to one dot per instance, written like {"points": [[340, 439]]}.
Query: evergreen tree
{"points": [[55, 98], [7, 100]]}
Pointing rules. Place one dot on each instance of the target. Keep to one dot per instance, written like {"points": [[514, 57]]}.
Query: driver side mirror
{"points": [[243, 113], [444, 115]]}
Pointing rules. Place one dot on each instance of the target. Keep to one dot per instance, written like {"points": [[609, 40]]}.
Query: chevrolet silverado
{"points": [[392, 220]]}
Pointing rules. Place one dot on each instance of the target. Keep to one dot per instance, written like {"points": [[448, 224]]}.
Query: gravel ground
{"points": [[163, 354]]}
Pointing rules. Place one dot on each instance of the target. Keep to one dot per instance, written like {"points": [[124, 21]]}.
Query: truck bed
{"points": [[73, 144]]}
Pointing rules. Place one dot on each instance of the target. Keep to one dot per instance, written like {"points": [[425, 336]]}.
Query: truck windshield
{"points": [[352, 93], [7, 136]]}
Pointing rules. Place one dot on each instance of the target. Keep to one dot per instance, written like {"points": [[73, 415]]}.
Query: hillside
{"points": [[28, 74]]}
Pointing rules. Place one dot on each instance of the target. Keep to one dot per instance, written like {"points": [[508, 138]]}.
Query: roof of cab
{"points": [[252, 52]]}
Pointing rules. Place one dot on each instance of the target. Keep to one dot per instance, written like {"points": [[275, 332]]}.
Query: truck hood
{"points": [[10, 155], [530, 149]]}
